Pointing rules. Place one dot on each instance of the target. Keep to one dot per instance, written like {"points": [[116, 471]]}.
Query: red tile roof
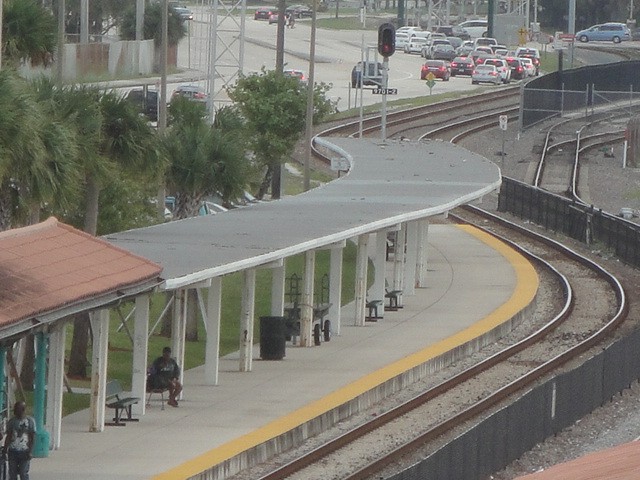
{"points": [[51, 265], [618, 463]]}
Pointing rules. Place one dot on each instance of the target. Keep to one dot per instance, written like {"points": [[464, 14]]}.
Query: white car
{"points": [[528, 66], [402, 40], [485, 74], [502, 67], [415, 45], [475, 28]]}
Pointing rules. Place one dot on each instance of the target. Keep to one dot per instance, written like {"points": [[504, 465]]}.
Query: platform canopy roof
{"points": [[51, 270], [388, 184]]}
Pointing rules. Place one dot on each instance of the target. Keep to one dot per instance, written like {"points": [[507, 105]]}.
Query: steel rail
{"points": [[526, 379], [486, 120]]}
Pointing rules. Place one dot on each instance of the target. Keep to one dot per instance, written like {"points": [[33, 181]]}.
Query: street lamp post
{"points": [[310, 91]]}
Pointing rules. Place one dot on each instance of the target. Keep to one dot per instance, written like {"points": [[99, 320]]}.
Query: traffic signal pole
{"points": [[385, 85]]}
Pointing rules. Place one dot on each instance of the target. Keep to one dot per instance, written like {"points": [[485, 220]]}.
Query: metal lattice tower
{"points": [[216, 45]]}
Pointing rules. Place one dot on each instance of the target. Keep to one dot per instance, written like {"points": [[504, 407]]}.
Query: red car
{"points": [[263, 13], [439, 68]]}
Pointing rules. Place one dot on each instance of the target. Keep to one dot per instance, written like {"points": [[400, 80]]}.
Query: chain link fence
{"points": [[581, 92]]}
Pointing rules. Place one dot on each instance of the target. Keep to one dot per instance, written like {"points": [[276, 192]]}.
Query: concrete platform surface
{"points": [[475, 283]]}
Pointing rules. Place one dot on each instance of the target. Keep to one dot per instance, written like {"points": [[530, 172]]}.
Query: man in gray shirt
{"points": [[21, 430]]}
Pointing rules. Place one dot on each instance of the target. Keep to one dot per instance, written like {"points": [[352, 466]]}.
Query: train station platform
{"points": [[476, 285]]}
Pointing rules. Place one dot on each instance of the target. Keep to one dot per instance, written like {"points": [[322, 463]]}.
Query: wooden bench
{"points": [[120, 403], [372, 306]]}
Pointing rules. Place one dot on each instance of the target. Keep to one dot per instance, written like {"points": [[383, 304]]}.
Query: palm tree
{"points": [[203, 160], [28, 33]]}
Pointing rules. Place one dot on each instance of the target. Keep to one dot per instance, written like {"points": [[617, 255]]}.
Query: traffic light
{"points": [[386, 39]]}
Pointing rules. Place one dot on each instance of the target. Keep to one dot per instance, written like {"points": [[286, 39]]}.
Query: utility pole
{"points": [[310, 91], [572, 26], [280, 37], [0, 33], [61, 31], [164, 47]]}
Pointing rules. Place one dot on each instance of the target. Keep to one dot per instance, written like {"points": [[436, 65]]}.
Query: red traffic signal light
{"points": [[386, 39]]}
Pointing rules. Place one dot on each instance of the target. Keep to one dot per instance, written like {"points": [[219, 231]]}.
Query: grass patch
{"points": [[120, 346], [346, 23], [294, 183]]}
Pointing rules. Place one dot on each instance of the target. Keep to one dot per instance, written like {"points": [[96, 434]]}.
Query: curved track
{"points": [[579, 325]]}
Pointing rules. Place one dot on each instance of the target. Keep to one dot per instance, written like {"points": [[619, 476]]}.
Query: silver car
{"points": [[486, 74]]}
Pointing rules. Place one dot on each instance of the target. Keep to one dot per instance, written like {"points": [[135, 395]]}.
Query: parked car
{"points": [[607, 32], [144, 104], [443, 52], [502, 66], [475, 28], [518, 71], [299, 11], [461, 66], [373, 74], [439, 68], [485, 74], [263, 13], [528, 65], [273, 18], [192, 92], [464, 50], [415, 45], [183, 12], [454, 31], [501, 52], [476, 54]]}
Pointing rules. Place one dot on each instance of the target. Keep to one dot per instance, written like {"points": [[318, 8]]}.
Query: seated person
{"points": [[165, 374]]}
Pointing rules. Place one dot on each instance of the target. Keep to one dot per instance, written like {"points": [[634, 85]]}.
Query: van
{"points": [[475, 28], [607, 32]]}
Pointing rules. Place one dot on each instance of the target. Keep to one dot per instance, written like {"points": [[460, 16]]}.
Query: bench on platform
{"points": [[120, 403], [372, 306], [392, 295]]}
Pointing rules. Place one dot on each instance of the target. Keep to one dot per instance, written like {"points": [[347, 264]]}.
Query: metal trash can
{"points": [[272, 338]]}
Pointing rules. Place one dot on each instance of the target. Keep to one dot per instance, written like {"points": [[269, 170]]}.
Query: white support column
{"points": [[277, 291], [246, 320], [55, 384], [423, 242], [100, 327], [306, 307], [362, 262], [178, 331], [212, 346], [335, 288], [378, 289], [140, 352], [84, 21], [411, 260], [398, 261]]}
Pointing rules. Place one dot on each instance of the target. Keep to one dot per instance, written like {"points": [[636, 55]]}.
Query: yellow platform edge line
{"points": [[527, 283]]}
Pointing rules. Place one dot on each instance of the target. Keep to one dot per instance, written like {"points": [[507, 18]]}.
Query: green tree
{"points": [[274, 107], [28, 33], [152, 24], [203, 160], [37, 154]]}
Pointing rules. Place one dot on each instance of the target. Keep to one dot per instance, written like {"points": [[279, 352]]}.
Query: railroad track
{"points": [[404, 121], [594, 305]]}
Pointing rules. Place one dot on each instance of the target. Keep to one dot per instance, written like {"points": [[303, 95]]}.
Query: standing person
{"points": [[292, 20], [165, 373], [21, 430]]}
